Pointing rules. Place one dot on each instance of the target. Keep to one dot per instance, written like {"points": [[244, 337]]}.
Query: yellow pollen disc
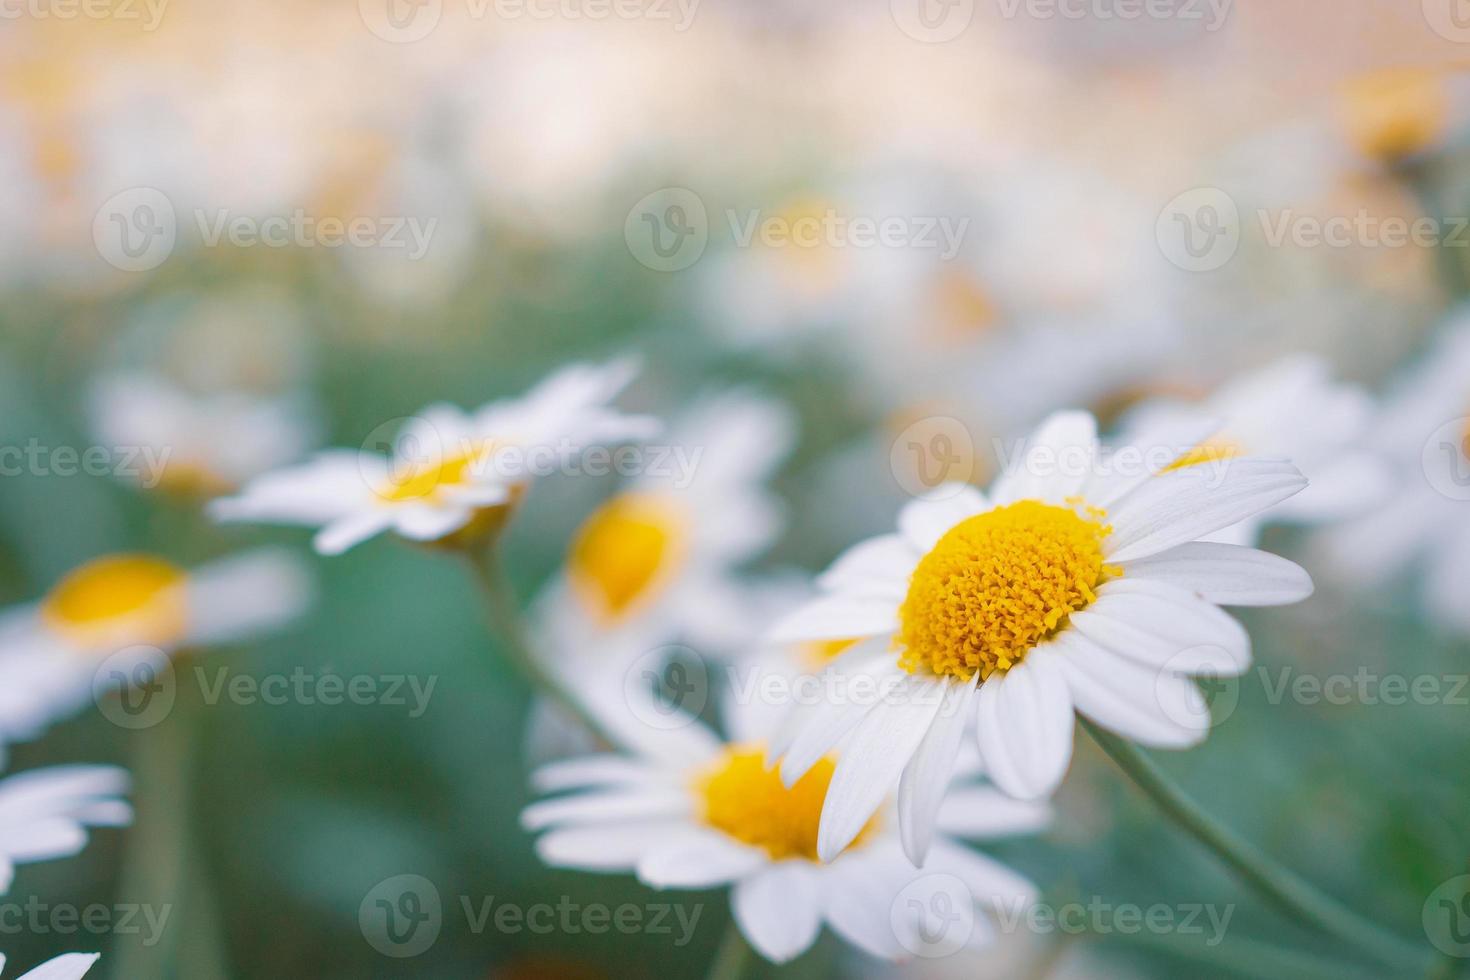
{"points": [[625, 552], [999, 583], [1395, 113], [817, 654], [1209, 451], [189, 479], [426, 481], [748, 801], [119, 598]]}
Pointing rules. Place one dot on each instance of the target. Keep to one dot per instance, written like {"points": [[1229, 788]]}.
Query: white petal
{"points": [[1145, 453], [236, 597], [1225, 574], [858, 892], [778, 910], [837, 617], [991, 883], [924, 520], [1148, 705], [872, 759], [604, 848], [1161, 625], [346, 532], [926, 777], [878, 565], [1057, 461], [426, 522], [592, 770], [985, 813], [70, 966], [604, 807], [1024, 728], [1185, 505], [331, 486], [698, 858], [818, 729]]}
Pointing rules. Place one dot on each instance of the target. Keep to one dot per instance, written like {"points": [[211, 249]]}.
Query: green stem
{"points": [[733, 958], [164, 866], [505, 617], [1282, 887]]}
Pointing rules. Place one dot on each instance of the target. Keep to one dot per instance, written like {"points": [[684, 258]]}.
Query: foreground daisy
{"points": [[1291, 409], [70, 966], [452, 475], [192, 444], [119, 617], [1071, 586], [658, 559], [697, 813], [45, 813]]}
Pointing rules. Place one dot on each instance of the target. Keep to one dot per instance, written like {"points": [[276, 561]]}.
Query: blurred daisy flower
{"points": [[197, 445], [700, 813], [1078, 583], [70, 966], [451, 476], [1424, 429], [1291, 409], [657, 560], [45, 813], [119, 617]]}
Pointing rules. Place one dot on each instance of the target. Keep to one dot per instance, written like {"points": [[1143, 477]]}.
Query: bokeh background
{"points": [[542, 147]]}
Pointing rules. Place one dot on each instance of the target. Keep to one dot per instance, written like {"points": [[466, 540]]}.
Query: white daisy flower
{"points": [[1290, 409], [1425, 430], [45, 813], [696, 813], [1071, 585], [657, 560], [197, 444], [452, 475], [132, 611], [69, 966]]}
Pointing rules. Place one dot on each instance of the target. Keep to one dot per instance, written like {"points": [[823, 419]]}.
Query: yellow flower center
{"points": [[1208, 452], [744, 798], [999, 583], [427, 481], [626, 552], [119, 599], [1395, 113]]}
